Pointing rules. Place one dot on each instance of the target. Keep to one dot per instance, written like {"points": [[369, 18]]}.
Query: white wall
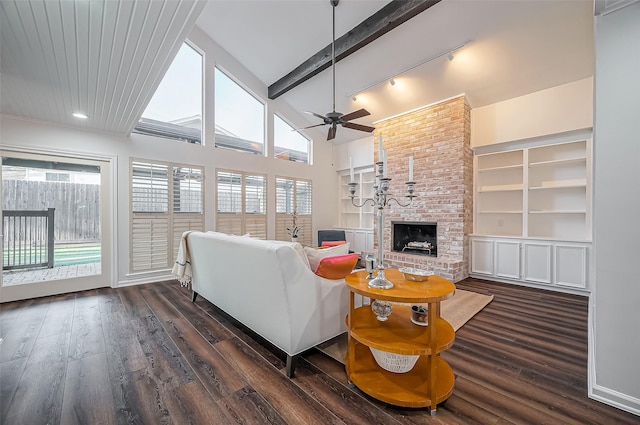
{"points": [[556, 110], [614, 357], [360, 151], [21, 134]]}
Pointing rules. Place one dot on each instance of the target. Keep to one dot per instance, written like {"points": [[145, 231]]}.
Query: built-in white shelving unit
{"points": [[499, 188], [350, 215], [532, 214], [357, 222]]}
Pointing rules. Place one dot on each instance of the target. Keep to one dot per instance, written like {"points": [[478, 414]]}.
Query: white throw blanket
{"points": [[182, 266]]}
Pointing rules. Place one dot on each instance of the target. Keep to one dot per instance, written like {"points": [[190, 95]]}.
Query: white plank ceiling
{"points": [[100, 58]]}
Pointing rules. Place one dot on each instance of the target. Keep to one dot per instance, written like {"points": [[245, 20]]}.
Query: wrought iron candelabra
{"points": [[381, 198]]}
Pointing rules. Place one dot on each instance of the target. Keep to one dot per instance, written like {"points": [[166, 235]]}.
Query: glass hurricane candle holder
{"points": [[370, 265], [382, 309]]}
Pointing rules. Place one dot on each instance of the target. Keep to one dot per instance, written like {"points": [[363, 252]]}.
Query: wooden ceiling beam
{"points": [[390, 16]]}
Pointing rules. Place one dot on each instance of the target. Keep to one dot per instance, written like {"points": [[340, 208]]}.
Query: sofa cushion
{"points": [[332, 243], [316, 254], [337, 266]]}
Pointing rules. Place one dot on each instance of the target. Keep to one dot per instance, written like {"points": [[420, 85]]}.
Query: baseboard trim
{"points": [[615, 399]]}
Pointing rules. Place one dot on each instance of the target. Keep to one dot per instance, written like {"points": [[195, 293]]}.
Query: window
{"points": [[241, 203], [289, 144], [293, 195], [175, 111], [239, 117], [156, 228]]}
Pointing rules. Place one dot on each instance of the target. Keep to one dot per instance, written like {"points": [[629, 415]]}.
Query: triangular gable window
{"points": [[175, 110]]}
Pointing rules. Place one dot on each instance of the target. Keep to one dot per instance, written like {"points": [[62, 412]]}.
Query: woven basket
{"points": [[392, 362]]}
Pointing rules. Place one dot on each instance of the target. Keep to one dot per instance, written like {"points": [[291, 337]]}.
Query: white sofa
{"points": [[268, 287]]}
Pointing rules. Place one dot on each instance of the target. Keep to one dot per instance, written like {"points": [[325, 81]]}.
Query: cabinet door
{"points": [[482, 256], [571, 265], [359, 241], [508, 259], [537, 262], [368, 246], [350, 236]]}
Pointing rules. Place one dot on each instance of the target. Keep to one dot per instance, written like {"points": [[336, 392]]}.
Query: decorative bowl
{"points": [[392, 362], [415, 275], [419, 315]]}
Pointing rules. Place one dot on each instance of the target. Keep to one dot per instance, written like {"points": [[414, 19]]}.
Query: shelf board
{"points": [[501, 188], [501, 212], [504, 167], [398, 334], [560, 185], [558, 212], [576, 160], [400, 389]]}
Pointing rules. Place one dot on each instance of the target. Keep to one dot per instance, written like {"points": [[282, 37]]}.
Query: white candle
{"points": [[384, 162], [411, 168], [351, 168], [379, 148]]}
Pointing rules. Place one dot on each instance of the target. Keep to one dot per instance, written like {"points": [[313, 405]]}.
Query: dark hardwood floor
{"points": [[147, 355]]}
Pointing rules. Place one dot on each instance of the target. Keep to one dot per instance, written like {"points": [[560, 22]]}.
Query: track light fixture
{"points": [[448, 53]]}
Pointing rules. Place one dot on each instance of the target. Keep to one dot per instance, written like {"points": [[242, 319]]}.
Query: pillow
{"points": [[337, 266], [297, 247], [332, 243], [316, 254]]}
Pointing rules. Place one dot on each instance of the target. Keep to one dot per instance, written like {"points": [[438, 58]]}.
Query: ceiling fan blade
{"points": [[355, 115], [322, 117], [332, 133], [311, 126], [360, 127]]}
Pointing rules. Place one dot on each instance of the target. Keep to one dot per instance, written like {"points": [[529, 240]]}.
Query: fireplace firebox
{"points": [[415, 237]]}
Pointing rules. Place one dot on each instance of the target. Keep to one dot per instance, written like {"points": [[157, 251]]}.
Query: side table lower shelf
{"points": [[400, 389]]}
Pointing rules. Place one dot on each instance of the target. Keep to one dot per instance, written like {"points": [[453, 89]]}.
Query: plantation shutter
{"points": [[255, 196], [150, 216], [166, 200], [241, 203], [229, 202], [293, 195], [303, 210], [284, 207], [188, 203]]}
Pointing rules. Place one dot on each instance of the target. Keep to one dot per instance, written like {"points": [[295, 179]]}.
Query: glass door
{"points": [[55, 238]]}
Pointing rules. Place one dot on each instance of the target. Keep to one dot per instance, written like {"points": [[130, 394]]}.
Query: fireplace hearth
{"points": [[419, 238]]}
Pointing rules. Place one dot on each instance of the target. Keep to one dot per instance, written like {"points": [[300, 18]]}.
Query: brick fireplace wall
{"points": [[438, 137]]}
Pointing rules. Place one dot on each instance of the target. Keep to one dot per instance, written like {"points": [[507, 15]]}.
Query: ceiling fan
{"points": [[336, 118]]}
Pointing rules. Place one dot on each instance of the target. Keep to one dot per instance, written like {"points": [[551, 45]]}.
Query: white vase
{"points": [[294, 239]]}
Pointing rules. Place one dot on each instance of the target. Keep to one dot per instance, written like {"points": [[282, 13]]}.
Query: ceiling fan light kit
{"points": [[333, 118]]}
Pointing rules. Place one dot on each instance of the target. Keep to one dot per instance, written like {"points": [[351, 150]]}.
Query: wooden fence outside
{"points": [[77, 206]]}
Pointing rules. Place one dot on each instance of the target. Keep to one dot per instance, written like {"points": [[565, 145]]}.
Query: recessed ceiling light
{"points": [[80, 115]]}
